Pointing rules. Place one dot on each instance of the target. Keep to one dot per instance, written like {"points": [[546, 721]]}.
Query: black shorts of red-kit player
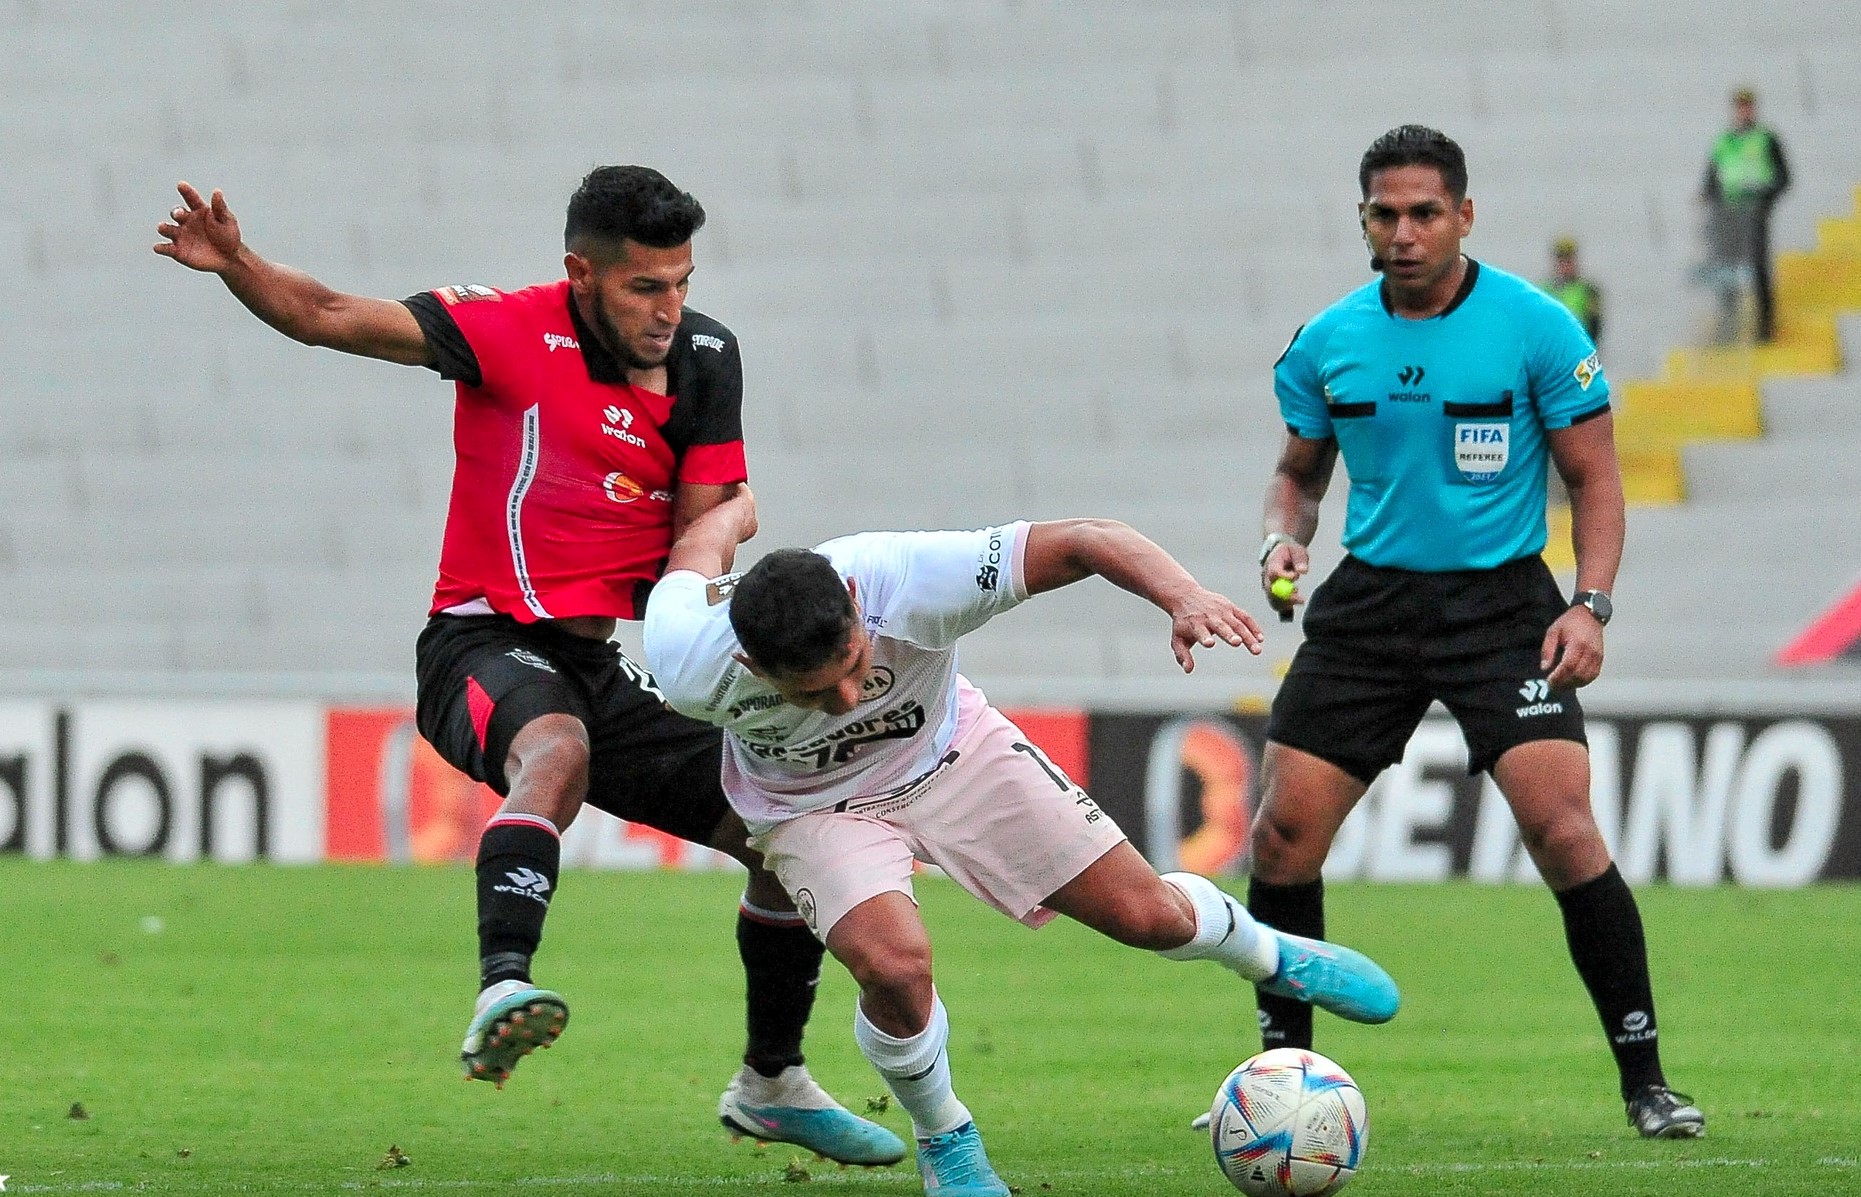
{"points": [[482, 678], [781, 968], [1297, 910], [1602, 925], [1382, 644]]}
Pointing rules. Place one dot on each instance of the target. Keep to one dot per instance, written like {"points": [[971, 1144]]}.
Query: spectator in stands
{"points": [[1745, 173], [596, 417], [1583, 297]]}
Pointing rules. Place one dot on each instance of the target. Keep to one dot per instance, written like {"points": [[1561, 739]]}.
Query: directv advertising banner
{"points": [[1759, 801]]}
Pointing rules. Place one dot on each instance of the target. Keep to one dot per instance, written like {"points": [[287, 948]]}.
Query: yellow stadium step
{"points": [[1670, 411], [1806, 344], [1557, 551], [1652, 474], [1821, 280], [1839, 235]]}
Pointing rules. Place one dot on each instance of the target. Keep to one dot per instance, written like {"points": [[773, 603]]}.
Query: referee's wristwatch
{"points": [[1598, 603], [1273, 541]]}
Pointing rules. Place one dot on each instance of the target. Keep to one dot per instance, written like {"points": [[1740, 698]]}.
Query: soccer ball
{"points": [[1289, 1123]]}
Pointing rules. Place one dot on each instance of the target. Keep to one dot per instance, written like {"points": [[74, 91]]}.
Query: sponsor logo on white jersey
{"points": [[844, 742], [1535, 692], [557, 341], [878, 683], [989, 568], [702, 341], [524, 656], [754, 703]]}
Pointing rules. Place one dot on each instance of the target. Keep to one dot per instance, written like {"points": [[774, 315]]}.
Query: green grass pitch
{"points": [[248, 1030]]}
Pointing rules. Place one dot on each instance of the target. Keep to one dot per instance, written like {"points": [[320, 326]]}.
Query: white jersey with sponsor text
{"points": [[918, 593]]}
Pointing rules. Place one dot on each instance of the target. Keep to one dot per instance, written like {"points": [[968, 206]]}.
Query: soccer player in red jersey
{"points": [[596, 417]]}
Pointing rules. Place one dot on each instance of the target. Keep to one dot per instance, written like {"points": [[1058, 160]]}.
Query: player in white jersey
{"points": [[854, 748]]}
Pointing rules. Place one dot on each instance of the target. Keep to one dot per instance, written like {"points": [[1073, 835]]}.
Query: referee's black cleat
{"points": [[1657, 1112]]}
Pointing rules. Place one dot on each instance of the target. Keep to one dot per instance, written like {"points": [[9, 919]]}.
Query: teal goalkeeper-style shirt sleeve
{"points": [[1565, 370], [1301, 390]]}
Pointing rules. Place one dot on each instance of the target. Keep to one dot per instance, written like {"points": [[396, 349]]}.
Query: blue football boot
{"points": [[512, 1019], [953, 1164], [1347, 983], [792, 1108]]}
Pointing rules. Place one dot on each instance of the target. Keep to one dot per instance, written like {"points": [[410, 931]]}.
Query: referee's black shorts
{"points": [[483, 677], [1382, 644]]}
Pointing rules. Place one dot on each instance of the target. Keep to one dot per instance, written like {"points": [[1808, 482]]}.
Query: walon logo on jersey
{"points": [[624, 418], [1411, 378], [1536, 691]]}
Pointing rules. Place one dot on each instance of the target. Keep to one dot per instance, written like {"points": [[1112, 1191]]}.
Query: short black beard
{"points": [[612, 341]]}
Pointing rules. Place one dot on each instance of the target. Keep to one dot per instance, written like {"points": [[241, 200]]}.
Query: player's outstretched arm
{"points": [[203, 234], [1061, 552], [708, 545], [1586, 460]]}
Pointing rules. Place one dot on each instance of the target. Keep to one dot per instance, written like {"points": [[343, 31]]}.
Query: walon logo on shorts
{"points": [[1536, 691]]}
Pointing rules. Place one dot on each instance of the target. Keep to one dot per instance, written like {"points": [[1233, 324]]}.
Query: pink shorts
{"points": [[995, 814]]}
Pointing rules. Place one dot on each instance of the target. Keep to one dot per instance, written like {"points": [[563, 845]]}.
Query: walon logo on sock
{"points": [[1635, 1027], [528, 882]]}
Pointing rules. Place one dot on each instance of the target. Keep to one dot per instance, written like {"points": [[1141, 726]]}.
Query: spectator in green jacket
{"points": [[1583, 297], [1745, 173]]}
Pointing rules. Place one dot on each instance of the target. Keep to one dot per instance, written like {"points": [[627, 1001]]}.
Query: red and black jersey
{"points": [[564, 475]]}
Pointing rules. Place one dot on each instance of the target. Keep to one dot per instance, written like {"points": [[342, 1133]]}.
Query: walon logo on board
{"points": [[181, 781]]}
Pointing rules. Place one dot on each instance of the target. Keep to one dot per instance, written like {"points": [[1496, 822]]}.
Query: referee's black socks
{"points": [[518, 859], [1602, 925], [781, 968], [1296, 910]]}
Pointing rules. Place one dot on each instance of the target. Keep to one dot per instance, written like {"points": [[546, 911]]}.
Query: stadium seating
{"points": [[988, 258]]}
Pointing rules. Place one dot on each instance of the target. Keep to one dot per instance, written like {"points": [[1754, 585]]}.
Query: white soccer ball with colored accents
{"points": [[1289, 1123]]}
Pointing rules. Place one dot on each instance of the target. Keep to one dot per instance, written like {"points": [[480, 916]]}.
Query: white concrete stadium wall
{"points": [[989, 258]]}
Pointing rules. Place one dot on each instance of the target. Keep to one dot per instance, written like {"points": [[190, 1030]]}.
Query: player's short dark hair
{"points": [[1416, 145], [791, 612], [631, 203]]}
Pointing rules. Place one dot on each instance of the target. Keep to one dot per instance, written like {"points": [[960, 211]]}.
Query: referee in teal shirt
{"points": [[1448, 386]]}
